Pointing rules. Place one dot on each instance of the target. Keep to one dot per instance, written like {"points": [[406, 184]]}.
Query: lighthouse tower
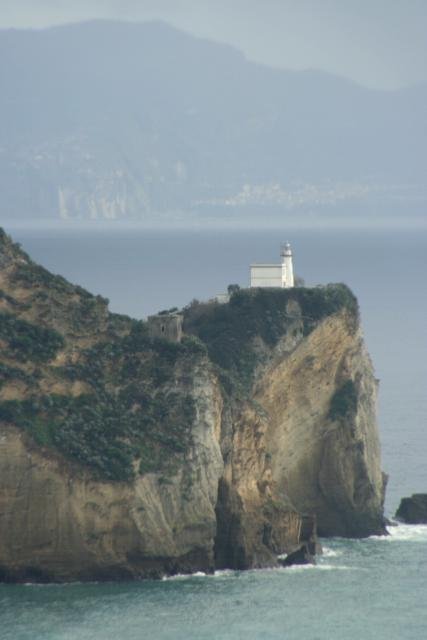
{"points": [[275, 275], [287, 267]]}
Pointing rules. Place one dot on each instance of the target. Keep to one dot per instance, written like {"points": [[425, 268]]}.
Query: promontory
{"points": [[126, 454]]}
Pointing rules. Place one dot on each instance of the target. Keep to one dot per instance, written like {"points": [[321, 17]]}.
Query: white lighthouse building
{"points": [[275, 275]]}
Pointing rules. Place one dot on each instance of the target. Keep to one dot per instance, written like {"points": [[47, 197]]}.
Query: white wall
{"points": [[268, 275]]}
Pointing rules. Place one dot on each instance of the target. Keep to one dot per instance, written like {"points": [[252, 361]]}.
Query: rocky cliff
{"points": [[123, 455]]}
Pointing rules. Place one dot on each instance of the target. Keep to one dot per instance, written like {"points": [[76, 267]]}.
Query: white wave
{"points": [[298, 567], [223, 573], [413, 532], [317, 567], [201, 574], [327, 552], [404, 532], [186, 576]]}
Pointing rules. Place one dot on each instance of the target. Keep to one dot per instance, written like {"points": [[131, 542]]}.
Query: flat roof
{"points": [[267, 265]]}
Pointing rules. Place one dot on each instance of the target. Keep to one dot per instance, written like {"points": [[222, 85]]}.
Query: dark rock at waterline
{"points": [[303, 555], [413, 510]]}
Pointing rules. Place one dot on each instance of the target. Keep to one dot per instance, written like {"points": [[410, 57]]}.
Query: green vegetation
{"points": [[63, 302], [107, 433], [27, 341], [233, 288], [7, 374], [228, 330], [133, 356], [133, 412], [344, 401], [166, 312], [9, 299], [137, 413], [320, 302], [32, 275], [36, 277]]}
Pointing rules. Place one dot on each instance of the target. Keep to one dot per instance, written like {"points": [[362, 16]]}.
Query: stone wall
{"points": [[168, 326]]}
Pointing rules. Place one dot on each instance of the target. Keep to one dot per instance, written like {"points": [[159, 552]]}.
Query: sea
{"points": [[359, 589]]}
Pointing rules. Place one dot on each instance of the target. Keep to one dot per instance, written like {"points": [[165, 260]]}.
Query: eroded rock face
{"points": [[57, 523], [255, 522], [305, 443], [325, 462]]}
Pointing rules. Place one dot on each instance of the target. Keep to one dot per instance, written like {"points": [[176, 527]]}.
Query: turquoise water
{"points": [[375, 588], [360, 589]]}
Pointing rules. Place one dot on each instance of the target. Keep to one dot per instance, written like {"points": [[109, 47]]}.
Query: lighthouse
{"points": [[275, 275], [287, 266]]}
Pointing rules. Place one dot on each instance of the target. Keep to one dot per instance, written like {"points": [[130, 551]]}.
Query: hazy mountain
{"points": [[108, 119]]}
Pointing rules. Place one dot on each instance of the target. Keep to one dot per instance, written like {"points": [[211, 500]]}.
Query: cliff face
{"points": [[322, 435], [124, 456], [58, 523]]}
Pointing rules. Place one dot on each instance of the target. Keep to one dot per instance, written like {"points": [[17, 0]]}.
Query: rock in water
{"points": [[125, 455], [306, 552], [301, 555], [413, 510]]}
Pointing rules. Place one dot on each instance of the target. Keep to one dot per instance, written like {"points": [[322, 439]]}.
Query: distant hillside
{"points": [[115, 120]]}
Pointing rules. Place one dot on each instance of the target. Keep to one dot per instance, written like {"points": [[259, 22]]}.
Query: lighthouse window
{"points": [[163, 328]]}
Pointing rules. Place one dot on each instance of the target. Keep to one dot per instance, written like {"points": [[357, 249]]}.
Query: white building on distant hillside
{"points": [[275, 275]]}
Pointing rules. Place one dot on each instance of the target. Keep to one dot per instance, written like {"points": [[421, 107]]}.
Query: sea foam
{"points": [[402, 532], [410, 532]]}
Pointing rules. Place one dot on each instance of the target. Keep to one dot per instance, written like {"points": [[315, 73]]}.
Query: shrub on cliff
{"points": [[8, 373], [27, 341], [131, 412], [228, 330], [344, 401], [318, 303], [107, 433]]}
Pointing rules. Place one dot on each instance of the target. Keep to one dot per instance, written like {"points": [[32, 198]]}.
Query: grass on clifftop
{"points": [[228, 330]]}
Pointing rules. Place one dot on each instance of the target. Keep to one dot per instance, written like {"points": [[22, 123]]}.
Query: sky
{"points": [[378, 43]]}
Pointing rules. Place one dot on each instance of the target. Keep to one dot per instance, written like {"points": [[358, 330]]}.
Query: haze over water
{"points": [[360, 589]]}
